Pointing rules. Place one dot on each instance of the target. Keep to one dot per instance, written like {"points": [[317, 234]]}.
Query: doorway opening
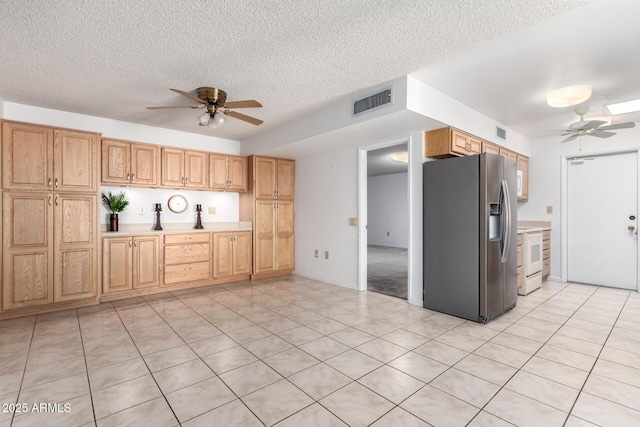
{"points": [[388, 220]]}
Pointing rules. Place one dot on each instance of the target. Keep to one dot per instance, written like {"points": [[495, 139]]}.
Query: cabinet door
{"points": [[195, 164], [75, 161], [264, 229], [116, 264], [222, 255], [144, 165], [285, 179], [172, 173], [27, 270], [265, 178], [488, 147], [218, 172], [76, 243], [284, 235], [475, 145], [523, 167], [508, 154], [116, 162], [242, 252], [147, 268], [459, 142], [237, 172], [27, 157]]}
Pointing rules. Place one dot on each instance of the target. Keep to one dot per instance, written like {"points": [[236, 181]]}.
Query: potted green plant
{"points": [[116, 203]]}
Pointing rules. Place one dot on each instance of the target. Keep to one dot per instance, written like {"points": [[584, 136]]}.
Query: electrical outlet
{"points": [[141, 210], [353, 222], [326, 254], [316, 253], [212, 210], [388, 234], [549, 209]]}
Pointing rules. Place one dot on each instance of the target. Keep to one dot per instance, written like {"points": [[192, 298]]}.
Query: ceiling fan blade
{"points": [[567, 133], [188, 95], [244, 117], [592, 124], [196, 107], [618, 126], [250, 103], [602, 134], [571, 138]]}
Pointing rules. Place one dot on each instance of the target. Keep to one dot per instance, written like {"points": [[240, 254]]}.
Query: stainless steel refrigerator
{"points": [[470, 239]]}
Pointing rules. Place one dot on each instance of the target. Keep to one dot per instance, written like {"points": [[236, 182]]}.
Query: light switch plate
{"points": [[141, 210], [549, 209], [211, 210], [353, 222]]}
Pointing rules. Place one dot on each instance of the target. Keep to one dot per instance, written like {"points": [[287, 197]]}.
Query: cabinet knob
{"points": [[133, 177], [50, 200], [128, 177], [49, 182], [57, 183]]}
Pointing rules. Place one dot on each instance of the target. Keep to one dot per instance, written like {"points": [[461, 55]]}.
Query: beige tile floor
{"points": [[297, 352]]}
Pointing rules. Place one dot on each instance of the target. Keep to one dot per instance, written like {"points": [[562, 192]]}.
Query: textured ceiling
{"points": [[113, 58]]}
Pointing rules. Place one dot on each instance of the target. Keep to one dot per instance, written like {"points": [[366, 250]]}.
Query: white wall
{"points": [[326, 196], [226, 204], [545, 180], [388, 210]]}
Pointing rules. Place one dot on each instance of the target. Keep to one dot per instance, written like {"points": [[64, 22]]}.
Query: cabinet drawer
{"points": [[179, 254], [520, 239], [186, 272], [519, 279], [172, 239], [546, 244], [546, 253], [546, 235], [520, 257]]}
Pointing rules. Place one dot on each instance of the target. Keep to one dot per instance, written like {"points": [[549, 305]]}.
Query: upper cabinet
{"points": [[523, 177], [130, 163], [45, 159], [184, 168], [274, 178], [450, 141], [509, 154], [488, 147], [227, 173]]}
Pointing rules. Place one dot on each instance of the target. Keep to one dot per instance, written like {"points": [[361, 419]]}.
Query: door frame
{"points": [[564, 238], [415, 152]]}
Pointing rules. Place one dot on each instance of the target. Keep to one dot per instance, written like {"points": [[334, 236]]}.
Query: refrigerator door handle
{"points": [[506, 236]]}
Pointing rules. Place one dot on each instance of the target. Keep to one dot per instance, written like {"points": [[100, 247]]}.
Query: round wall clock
{"points": [[177, 203]]}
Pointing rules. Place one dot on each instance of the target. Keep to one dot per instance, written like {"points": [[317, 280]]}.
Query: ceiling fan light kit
{"points": [[568, 96], [215, 101]]}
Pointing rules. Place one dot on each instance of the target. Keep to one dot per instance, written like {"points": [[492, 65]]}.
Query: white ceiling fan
{"points": [[592, 127]]}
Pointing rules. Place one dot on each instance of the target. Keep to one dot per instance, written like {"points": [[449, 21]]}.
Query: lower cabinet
{"points": [[546, 254], [50, 250], [232, 254], [187, 258], [519, 263], [131, 263]]}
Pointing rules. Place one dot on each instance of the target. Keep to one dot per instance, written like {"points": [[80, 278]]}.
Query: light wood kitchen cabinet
{"points": [[446, 142], [131, 263], [523, 172], [50, 248], [546, 254], [41, 158], [187, 258], [509, 154], [183, 168], [488, 147], [232, 254], [130, 163], [269, 205], [228, 173], [274, 178], [519, 263]]}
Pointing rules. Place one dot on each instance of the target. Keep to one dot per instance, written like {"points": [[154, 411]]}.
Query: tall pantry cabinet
{"points": [[50, 217], [269, 205]]}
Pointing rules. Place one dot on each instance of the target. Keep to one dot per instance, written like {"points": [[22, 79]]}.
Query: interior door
{"points": [[602, 194]]}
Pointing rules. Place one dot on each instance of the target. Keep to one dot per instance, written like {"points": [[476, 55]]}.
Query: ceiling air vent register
{"points": [[375, 101], [501, 133]]}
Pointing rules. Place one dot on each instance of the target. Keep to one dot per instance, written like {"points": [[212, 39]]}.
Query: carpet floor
{"points": [[387, 270]]}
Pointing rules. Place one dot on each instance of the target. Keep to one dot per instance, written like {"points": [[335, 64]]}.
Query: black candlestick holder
{"points": [[199, 225], [158, 209]]}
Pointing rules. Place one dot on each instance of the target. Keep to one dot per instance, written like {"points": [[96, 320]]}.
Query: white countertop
{"points": [[174, 228]]}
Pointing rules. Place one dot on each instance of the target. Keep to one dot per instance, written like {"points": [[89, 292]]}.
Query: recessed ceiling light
{"points": [[624, 107], [401, 157], [568, 96]]}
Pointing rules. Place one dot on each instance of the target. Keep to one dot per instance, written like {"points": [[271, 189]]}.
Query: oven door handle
{"points": [[506, 235]]}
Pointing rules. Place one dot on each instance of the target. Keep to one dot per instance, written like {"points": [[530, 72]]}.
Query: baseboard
{"points": [[554, 279], [419, 303], [326, 279]]}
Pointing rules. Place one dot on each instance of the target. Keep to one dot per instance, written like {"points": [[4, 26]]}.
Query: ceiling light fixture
{"points": [[213, 120], [624, 107], [401, 157], [568, 96]]}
